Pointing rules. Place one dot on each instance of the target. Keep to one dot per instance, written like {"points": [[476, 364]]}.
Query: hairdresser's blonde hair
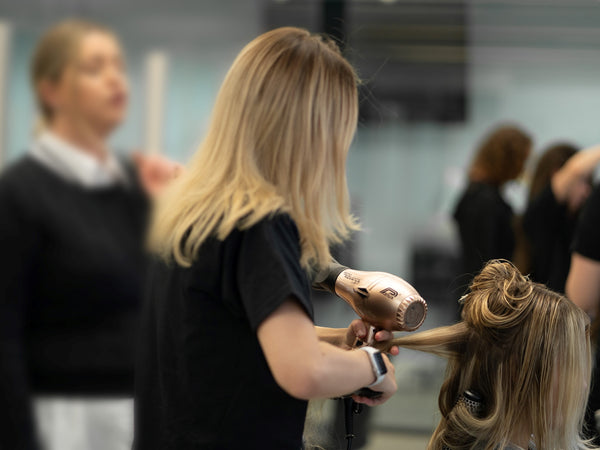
{"points": [[56, 49], [282, 124], [525, 349]]}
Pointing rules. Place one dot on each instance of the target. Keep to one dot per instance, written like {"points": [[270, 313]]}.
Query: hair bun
{"points": [[498, 300]]}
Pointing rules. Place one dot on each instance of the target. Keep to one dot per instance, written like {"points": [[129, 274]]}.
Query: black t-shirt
{"points": [[202, 381], [485, 225], [549, 228], [71, 271], [587, 243], [587, 237]]}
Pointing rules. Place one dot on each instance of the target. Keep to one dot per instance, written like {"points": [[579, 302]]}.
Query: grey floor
{"points": [[389, 440]]}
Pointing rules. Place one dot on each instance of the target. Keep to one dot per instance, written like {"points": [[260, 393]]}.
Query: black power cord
{"points": [[350, 409]]}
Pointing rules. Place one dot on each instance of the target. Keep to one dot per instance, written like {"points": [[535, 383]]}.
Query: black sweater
{"points": [[70, 277]]}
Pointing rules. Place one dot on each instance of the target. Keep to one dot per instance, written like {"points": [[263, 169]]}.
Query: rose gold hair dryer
{"points": [[381, 299]]}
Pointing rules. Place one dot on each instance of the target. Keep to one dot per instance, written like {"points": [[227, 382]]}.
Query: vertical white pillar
{"points": [[156, 67], [5, 39]]}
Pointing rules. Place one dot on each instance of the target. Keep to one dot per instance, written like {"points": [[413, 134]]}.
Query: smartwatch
{"points": [[377, 362]]}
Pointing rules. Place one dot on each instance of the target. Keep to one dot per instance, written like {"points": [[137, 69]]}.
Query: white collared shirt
{"points": [[75, 164]]}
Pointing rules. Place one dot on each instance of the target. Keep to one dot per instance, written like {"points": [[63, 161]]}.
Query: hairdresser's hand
{"points": [[359, 329], [387, 387], [155, 172]]}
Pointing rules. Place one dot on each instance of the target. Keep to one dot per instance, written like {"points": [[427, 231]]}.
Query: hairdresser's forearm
{"points": [[340, 372], [333, 336], [579, 166], [302, 365]]}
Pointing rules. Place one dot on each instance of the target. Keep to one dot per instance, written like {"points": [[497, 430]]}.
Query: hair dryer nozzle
{"points": [[411, 313]]}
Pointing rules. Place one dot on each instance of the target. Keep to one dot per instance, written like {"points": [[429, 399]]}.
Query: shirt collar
{"points": [[75, 164]]}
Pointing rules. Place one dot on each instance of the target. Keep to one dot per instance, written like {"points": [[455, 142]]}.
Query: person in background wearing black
{"points": [[583, 289], [71, 232], [229, 353], [560, 185], [485, 220]]}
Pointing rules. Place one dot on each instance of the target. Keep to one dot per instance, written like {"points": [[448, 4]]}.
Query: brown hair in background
{"points": [[552, 159], [501, 155]]}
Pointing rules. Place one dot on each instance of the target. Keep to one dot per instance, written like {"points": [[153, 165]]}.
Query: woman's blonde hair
{"points": [[56, 49], [281, 127], [525, 350]]}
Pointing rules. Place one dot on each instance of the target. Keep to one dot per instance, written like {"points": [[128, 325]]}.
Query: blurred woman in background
{"points": [[484, 219], [518, 369], [560, 185], [71, 234]]}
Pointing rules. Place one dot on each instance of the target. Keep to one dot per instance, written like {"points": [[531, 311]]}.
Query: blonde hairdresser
{"points": [[260, 204]]}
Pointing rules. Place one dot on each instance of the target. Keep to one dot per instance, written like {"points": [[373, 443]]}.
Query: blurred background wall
{"points": [[533, 62]]}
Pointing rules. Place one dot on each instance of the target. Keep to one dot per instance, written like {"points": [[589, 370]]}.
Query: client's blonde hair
{"points": [[281, 128], [525, 350]]}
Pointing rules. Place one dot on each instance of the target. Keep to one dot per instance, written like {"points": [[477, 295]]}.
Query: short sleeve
{"points": [[269, 270], [587, 237]]}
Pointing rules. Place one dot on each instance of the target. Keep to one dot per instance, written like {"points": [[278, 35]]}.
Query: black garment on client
{"points": [[70, 290], [587, 243], [549, 229], [485, 224], [202, 381]]}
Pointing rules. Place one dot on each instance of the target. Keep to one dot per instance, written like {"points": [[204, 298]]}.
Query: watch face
{"points": [[381, 367]]}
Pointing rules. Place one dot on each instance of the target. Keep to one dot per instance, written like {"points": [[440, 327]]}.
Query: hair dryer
{"points": [[381, 299]]}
